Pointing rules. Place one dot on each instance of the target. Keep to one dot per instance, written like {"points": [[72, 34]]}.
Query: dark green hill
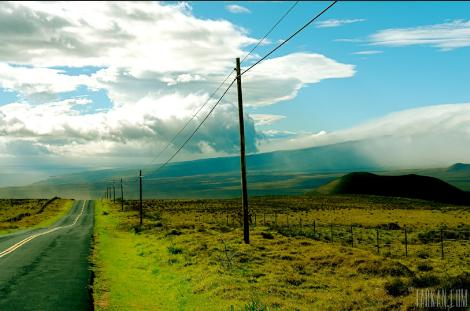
{"points": [[407, 186]]}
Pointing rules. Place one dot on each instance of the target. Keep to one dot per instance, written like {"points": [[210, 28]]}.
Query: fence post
{"points": [[227, 219], [275, 218], [442, 246], [264, 219], [331, 232], [352, 237], [314, 228], [300, 222], [378, 245], [406, 244], [255, 220]]}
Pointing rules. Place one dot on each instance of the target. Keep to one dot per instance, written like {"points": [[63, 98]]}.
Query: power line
{"points": [[290, 37], [269, 31], [249, 68], [220, 85], [189, 121], [196, 129]]}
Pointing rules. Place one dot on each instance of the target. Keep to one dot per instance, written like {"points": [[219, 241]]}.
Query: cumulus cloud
{"points": [[157, 63], [235, 8], [144, 36], [60, 129], [33, 82], [330, 23], [446, 36]]}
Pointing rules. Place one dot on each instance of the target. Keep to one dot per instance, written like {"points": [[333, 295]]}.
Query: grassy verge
{"points": [[184, 260], [27, 214]]}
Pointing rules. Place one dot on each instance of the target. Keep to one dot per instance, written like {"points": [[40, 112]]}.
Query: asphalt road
{"points": [[48, 269]]}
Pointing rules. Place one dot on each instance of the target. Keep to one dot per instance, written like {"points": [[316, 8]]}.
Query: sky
{"points": [[98, 85]]}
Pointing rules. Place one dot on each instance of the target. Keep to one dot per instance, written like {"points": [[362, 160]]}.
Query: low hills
{"points": [[406, 186]]}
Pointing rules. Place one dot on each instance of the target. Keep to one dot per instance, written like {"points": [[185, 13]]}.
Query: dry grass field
{"points": [[189, 255], [17, 214]]}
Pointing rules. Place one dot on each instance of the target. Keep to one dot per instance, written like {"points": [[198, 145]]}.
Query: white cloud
{"points": [[235, 8], [266, 119], [368, 52], [144, 36], [158, 63], [428, 136], [446, 36], [31, 81], [279, 79], [329, 23]]}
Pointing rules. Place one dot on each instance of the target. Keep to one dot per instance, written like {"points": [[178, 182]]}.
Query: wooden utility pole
{"points": [[114, 193], [140, 207], [122, 198], [246, 227], [107, 193]]}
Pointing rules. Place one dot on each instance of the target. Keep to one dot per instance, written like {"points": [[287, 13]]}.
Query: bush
{"points": [[424, 267], [425, 280], [174, 250], [267, 235], [174, 232], [423, 254], [461, 281], [397, 287], [384, 268]]}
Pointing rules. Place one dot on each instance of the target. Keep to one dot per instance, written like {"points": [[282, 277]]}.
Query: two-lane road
{"points": [[48, 269]]}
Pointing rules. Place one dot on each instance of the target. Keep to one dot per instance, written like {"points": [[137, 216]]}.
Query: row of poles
{"points": [[246, 228], [111, 194]]}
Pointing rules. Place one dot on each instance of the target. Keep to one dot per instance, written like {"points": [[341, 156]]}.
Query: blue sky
{"points": [[108, 84], [396, 79]]}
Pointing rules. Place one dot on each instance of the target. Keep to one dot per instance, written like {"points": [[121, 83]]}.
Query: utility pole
{"points": [[107, 192], [114, 193], [140, 208], [122, 198], [246, 227]]}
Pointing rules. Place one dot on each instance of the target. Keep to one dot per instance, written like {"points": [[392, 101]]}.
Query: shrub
{"points": [[461, 281], [174, 232], [423, 254], [267, 235], [174, 250], [424, 267], [425, 280], [397, 287]]}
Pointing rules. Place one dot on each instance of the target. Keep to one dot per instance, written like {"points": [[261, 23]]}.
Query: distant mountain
{"points": [[459, 167], [279, 172], [407, 186], [274, 173]]}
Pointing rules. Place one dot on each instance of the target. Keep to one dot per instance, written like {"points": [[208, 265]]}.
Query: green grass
{"points": [[186, 257], [26, 214]]}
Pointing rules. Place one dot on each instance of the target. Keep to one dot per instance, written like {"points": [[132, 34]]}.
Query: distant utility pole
{"points": [[122, 198], [114, 193], [107, 192], [140, 208], [246, 227]]}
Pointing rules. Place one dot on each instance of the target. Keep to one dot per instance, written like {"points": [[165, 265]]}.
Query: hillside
{"points": [[279, 172], [407, 186]]}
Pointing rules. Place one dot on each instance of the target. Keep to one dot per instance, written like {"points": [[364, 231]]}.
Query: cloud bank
{"points": [[156, 64], [432, 136], [445, 36]]}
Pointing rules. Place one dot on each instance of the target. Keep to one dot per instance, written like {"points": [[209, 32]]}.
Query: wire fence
{"points": [[386, 239]]}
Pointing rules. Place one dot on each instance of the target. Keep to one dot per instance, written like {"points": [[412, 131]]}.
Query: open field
{"points": [[16, 214], [189, 255]]}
